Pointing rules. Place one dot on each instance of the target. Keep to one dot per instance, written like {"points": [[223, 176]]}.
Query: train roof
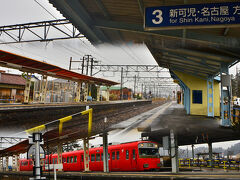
{"points": [[99, 147]]}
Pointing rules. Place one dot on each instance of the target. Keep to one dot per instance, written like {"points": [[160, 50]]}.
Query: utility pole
{"points": [[91, 71], [134, 88], [154, 91], [70, 64], [91, 64], [145, 91], [121, 88], [87, 64], [83, 64]]}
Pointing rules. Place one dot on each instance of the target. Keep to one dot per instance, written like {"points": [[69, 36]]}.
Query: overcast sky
{"points": [[59, 52]]}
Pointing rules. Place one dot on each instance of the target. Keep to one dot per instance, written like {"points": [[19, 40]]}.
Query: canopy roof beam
{"points": [[190, 35]]}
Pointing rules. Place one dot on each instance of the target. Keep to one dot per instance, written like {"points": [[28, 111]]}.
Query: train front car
{"points": [[148, 156]]}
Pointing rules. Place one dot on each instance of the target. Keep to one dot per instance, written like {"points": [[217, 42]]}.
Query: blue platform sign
{"points": [[192, 16]]}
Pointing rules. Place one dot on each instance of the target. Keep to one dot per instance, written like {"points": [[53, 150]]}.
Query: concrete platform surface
{"points": [[190, 129], [127, 175]]}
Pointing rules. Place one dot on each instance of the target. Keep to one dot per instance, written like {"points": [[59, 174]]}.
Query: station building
{"points": [[11, 87]]}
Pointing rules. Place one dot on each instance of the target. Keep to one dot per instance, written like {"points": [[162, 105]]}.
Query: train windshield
{"points": [[148, 153]]}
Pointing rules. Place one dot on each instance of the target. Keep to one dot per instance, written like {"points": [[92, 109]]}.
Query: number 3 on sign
{"points": [[158, 16]]}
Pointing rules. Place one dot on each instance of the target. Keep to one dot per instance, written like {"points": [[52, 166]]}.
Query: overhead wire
{"points": [[88, 47], [136, 60]]}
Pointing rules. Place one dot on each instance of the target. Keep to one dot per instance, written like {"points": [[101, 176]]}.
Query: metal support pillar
{"points": [[78, 93], [59, 151], [188, 100], [43, 88], [192, 151], [37, 138], [105, 152], [121, 85], [18, 163], [15, 162], [210, 154], [7, 161], [1, 163], [182, 96], [107, 94], [85, 92], [174, 152], [226, 96], [98, 93], [27, 88], [210, 96], [86, 154], [186, 91]]}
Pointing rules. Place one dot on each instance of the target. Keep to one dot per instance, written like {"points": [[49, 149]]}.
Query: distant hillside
{"points": [[233, 150]]}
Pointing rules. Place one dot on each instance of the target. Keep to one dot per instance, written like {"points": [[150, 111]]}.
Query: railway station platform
{"points": [[189, 129], [125, 175], [30, 115]]}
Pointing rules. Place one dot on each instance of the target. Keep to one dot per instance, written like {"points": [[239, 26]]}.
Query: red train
{"points": [[133, 156]]}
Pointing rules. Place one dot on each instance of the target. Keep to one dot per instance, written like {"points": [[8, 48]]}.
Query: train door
{"points": [[82, 162], [134, 160], [115, 159]]}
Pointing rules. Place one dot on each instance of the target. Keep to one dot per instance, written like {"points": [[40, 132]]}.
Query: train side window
{"points": [[93, 157], [64, 160], [127, 154], [68, 160], [97, 157], [108, 156], [24, 163], [113, 155], [71, 159], [82, 157], [75, 159], [134, 154], [118, 155], [30, 162], [101, 157]]}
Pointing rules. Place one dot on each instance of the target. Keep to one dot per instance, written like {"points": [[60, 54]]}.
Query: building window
{"points": [[197, 96]]}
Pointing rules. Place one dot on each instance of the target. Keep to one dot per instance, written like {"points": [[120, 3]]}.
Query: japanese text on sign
{"points": [[190, 15]]}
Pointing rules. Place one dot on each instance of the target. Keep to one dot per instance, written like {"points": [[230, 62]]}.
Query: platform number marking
{"points": [[158, 16]]}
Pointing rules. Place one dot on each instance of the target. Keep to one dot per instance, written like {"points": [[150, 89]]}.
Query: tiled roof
{"points": [[15, 79]]}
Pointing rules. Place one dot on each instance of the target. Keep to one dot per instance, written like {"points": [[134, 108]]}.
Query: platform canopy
{"points": [[25, 64], [195, 51]]}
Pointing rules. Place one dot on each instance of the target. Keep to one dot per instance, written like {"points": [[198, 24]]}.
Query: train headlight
{"points": [[156, 145], [141, 145], [145, 165]]}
